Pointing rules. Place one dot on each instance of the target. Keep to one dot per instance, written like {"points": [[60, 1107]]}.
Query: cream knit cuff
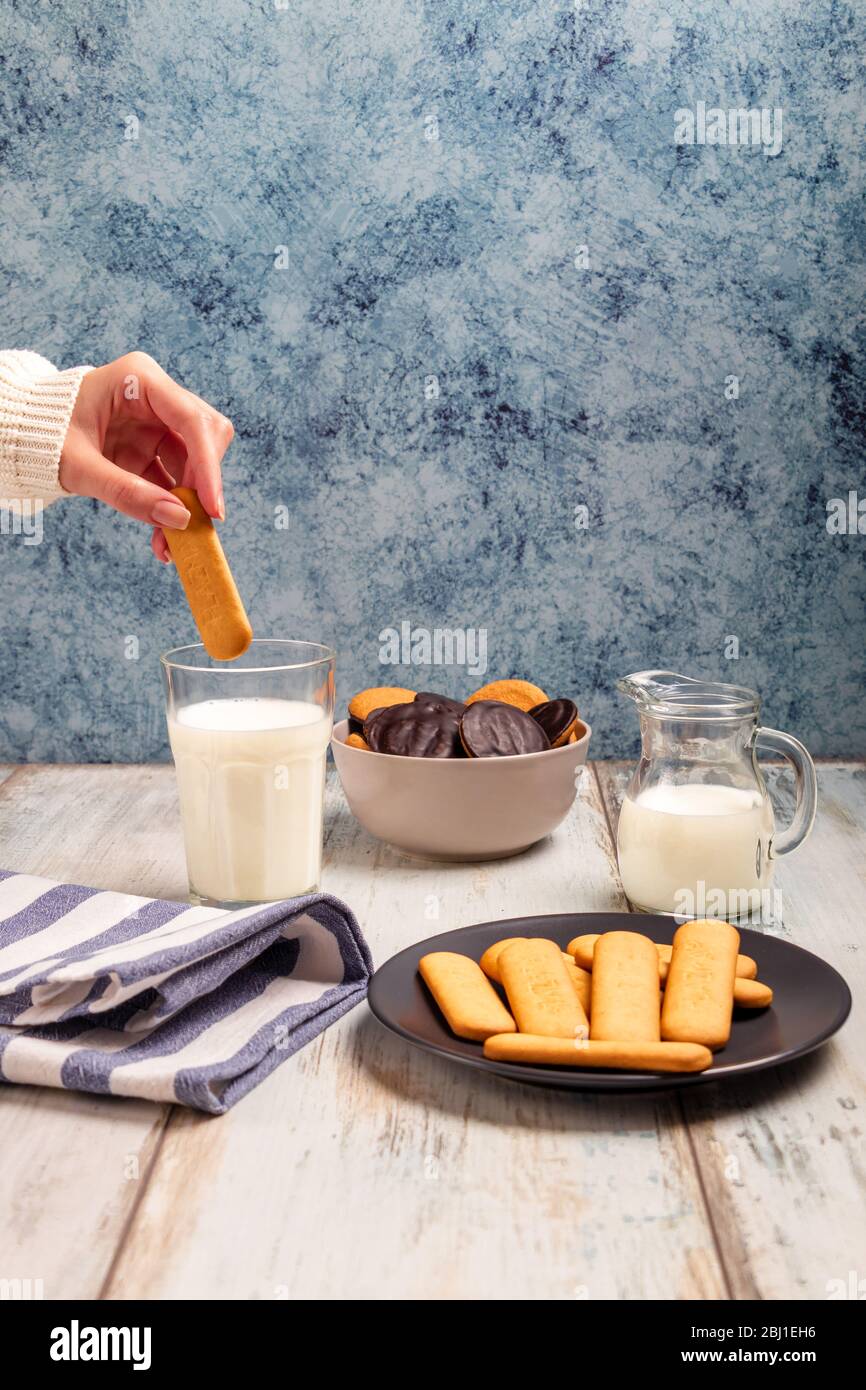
{"points": [[36, 402]]}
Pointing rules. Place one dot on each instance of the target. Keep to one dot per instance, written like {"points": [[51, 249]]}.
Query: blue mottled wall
{"points": [[560, 386]]}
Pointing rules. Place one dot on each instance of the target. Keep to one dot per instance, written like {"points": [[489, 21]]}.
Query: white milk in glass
{"points": [[675, 838], [250, 775]]}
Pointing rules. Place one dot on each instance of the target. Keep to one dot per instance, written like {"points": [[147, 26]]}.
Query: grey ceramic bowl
{"points": [[459, 808]]}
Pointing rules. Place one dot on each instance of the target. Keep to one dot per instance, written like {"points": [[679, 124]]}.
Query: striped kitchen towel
{"points": [[134, 996]]}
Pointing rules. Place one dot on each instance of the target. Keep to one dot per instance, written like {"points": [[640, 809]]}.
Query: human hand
{"points": [[134, 434]]}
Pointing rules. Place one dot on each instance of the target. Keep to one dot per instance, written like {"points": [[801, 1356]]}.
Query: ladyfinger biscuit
{"points": [[471, 1006], [581, 981], [625, 989], [210, 590], [540, 993], [699, 994], [621, 1056], [489, 962], [751, 994], [747, 969], [582, 947]]}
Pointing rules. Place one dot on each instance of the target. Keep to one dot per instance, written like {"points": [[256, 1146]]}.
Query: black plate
{"points": [[810, 1003]]}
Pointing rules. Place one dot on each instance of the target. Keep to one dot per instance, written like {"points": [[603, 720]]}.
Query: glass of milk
{"points": [[696, 834], [249, 740]]}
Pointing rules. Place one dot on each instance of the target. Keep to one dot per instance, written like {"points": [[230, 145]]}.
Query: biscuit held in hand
{"points": [[620, 1056], [208, 584], [471, 1006]]}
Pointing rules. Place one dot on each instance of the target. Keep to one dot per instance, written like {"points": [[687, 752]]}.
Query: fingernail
{"points": [[172, 514], [221, 507]]}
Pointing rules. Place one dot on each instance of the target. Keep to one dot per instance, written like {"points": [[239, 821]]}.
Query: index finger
{"points": [[206, 435]]}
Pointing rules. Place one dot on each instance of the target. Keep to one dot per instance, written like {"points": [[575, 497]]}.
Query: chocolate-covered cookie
{"points": [[492, 729], [371, 716], [356, 726], [557, 718], [443, 703], [414, 731]]}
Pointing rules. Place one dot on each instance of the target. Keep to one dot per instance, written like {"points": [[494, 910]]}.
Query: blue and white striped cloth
{"points": [[133, 996]]}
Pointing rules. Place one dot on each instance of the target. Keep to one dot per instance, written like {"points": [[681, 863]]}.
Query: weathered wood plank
{"points": [[364, 1168], [781, 1154], [71, 1169], [112, 827], [72, 1166]]}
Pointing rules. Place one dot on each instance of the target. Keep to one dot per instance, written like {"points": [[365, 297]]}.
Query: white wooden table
{"points": [[365, 1168]]}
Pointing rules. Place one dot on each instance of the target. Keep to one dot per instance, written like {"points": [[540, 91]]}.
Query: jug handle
{"points": [[807, 788]]}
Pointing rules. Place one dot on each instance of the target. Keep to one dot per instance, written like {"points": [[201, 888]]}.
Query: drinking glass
{"points": [[249, 740]]}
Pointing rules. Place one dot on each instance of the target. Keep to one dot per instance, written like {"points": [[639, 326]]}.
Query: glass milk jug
{"points": [[696, 834]]}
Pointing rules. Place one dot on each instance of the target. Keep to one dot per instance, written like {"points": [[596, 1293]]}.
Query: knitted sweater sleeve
{"points": [[36, 402]]}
